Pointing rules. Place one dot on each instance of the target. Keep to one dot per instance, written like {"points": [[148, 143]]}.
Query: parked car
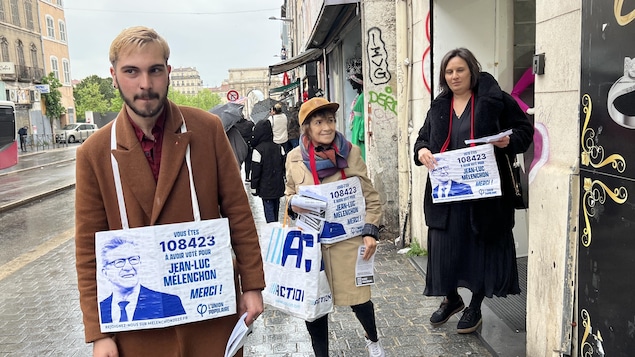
{"points": [[76, 132]]}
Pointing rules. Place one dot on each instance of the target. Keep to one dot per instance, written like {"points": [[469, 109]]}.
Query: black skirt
{"points": [[456, 258]]}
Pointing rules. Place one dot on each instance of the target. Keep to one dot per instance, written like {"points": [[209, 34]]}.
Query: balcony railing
{"points": [[181, 76], [25, 74]]}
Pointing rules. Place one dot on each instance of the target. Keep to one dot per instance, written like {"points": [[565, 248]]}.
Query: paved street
{"points": [[40, 316], [402, 319], [36, 175]]}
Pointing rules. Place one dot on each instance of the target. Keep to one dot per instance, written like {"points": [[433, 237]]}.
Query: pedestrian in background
{"points": [[151, 145], [470, 243], [246, 127], [324, 155], [279, 125], [293, 128], [267, 175], [238, 145], [23, 132]]}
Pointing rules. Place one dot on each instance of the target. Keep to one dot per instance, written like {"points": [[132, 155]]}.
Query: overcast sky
{"points": [[211, 35]]}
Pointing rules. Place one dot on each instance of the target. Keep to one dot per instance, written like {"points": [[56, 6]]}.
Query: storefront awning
{"points": [[293, 62], [333, 18], [339, 2], [286, 88]]}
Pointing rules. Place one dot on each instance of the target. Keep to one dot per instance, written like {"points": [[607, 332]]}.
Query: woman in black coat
{"points": [[267, 169], [470, 243]]}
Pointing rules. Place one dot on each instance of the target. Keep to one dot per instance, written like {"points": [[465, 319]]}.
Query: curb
{"points": [[30, 199], [36, 167]]}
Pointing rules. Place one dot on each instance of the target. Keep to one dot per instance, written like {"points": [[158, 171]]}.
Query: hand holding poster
{"points": [[159, 276], [465, 174]]}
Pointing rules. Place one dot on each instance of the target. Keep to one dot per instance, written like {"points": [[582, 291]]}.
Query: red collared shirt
{"points": [[152, 148]]}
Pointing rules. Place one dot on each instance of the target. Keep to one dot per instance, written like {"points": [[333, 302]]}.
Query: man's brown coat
{"points": [[220, 194]]}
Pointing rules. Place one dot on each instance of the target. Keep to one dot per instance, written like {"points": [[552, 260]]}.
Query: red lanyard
{"points": [[316, 179], [447, 141]]}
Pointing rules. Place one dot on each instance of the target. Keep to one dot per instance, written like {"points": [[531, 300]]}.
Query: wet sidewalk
{"points": [[40, 315], [402, 314], [37, 175]]}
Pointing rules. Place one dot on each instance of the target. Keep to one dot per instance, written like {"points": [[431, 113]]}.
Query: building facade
{"points": [[186, 80], [328, 40], [575, 233], [56, 53], [21, 55], [245, 80], [248, 86]]}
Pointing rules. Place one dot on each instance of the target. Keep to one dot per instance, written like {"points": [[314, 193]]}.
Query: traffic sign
{"points": [[232, 96]]}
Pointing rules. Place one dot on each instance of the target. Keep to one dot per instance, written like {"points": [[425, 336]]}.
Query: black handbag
{"points": [[514, 171]]}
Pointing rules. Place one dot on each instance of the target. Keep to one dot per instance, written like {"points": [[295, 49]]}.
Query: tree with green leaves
{"points": [[98, 95], [53, 99], [95, 94], [116, 103], [204, 99], [104, 85], [92, 99]]}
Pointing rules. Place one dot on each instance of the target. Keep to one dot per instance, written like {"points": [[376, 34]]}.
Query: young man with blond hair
{"points": [[151, 150]]}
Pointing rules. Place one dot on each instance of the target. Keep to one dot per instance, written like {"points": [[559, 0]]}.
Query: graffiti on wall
{"points": [[425, 59], [385, 100], [541, 150], [378, 57]]}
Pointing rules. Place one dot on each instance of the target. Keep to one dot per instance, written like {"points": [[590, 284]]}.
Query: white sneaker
{"points": [[375, 349]]}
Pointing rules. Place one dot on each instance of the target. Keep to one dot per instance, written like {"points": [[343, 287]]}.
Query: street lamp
{"points": [[287, 36], [280, 18], [281, 57]]}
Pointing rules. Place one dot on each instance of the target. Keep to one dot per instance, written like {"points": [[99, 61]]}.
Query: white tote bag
{"points": [[294, 272]]}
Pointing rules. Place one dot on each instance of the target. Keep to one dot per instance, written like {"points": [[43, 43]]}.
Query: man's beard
{"points": [[145, 112]]}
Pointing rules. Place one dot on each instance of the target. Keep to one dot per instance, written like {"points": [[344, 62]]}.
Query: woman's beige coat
{"points": [[339, 258], [220, 194]]}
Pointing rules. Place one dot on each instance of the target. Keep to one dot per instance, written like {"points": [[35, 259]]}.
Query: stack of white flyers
{"points": [[316, 205], [238, 336], [489, 139]]}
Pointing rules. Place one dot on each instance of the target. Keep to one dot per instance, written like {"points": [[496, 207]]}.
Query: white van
{"points": [[76, 132]]}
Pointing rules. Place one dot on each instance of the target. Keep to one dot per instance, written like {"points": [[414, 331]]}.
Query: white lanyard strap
{"points": [[115, 172], [117, 177], [195, 208]]}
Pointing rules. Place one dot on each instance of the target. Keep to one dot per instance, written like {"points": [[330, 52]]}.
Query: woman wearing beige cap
{"points": [[323, 156]]}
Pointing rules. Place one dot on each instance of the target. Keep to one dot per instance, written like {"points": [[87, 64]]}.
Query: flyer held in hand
{"points": [[465, 174]]}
